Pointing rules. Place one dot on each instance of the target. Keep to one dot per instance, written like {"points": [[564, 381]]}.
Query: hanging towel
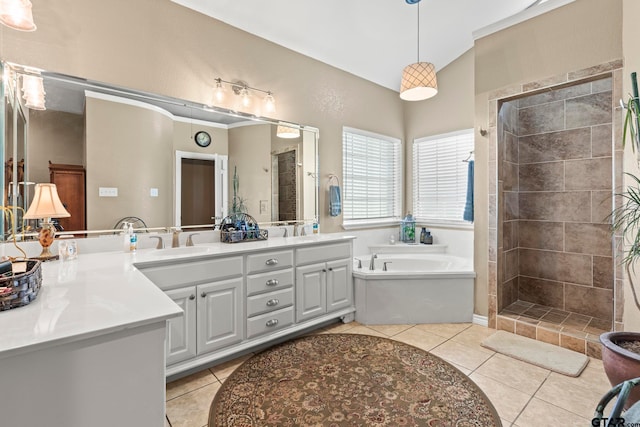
{"points": [[335, 204], [468, 206]]}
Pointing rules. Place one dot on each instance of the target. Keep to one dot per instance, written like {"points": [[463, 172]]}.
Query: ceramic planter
{"points": [[620, 364]]}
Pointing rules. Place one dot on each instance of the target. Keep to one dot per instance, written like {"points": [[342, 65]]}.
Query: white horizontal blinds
{"points": [[440, 176], [371, 175]]}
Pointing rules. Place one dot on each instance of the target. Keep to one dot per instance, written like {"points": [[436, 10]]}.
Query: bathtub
{"points": [[416, 288]]}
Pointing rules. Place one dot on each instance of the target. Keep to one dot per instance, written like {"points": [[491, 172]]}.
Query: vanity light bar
{"points": [[243, 90]]}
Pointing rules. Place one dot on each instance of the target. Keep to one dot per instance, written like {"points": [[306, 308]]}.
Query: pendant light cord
{"points": [[418, 32]]}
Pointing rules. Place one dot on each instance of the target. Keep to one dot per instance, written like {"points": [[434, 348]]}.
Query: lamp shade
{"points": [[46, 203], [17, 14], [287, 132], [419, 81]]}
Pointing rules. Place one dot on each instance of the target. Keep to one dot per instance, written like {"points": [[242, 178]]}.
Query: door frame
{"points": [[220, 183]]}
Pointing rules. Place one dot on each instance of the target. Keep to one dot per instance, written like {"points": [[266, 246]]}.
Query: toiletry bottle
{"points": [[428, 238], [423, 235], [316, 228], [126, 239], [133, 239]]}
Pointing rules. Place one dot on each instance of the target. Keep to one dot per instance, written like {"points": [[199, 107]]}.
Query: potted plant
{"points": [[621, 350]]}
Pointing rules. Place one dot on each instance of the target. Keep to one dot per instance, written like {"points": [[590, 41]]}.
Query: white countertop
{"points": [[104, 292]]}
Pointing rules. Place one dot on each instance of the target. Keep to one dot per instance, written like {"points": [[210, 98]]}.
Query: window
{"points": [[371, 166], [440, 176]]}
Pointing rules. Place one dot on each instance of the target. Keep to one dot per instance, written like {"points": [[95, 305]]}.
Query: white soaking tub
{"points": [[416, 288]]}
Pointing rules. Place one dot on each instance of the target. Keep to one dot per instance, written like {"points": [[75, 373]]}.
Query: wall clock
{"points": [[203, 139]]}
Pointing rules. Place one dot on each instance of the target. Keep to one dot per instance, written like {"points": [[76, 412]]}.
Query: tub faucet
{"points": [[372, 265], [384, 267]]}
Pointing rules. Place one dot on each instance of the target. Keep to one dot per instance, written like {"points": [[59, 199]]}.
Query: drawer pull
{"points": [[272, 322], [271, 261], [192, 297], [203, 294], [272, 282], [272, 302]]}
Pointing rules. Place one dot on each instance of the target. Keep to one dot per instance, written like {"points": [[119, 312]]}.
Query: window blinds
{"points": [[371, 176], [440, 176]]}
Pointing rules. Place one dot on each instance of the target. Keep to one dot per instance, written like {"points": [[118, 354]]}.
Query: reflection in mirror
{"points": [[117, 153]]}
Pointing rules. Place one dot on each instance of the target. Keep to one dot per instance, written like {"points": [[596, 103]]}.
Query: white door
{"points": [[220, 314], [339, 285], [181, 331], [311, 299]]}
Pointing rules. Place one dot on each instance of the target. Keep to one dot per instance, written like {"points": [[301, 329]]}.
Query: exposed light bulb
{"points": [[33, 92], [17, 14], [219, 92], [246, 98], [269, 103]]}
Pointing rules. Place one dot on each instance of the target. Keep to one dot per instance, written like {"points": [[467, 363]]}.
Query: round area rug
{"points": [[349, 380]]}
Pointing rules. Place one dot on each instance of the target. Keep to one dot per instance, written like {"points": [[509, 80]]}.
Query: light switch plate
{"points": [[153, 192], [263, 206], [108, 192]]}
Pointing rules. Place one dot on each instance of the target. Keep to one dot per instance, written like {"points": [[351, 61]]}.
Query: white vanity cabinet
{"points": [[244, 296], [210, 292], [269, 292], [323, 280]]}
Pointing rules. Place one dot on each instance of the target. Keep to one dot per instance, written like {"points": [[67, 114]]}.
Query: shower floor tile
{"points": [[580, 330]]}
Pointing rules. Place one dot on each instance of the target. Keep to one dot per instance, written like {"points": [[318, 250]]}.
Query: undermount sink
{"points": [[185, 250]]}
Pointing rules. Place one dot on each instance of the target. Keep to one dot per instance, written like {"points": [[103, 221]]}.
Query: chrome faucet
{"points": [[384, 267], [372, 265], [175, 241]]}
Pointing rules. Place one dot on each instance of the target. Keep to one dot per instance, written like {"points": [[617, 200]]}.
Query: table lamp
{"points": [[46, 205]]}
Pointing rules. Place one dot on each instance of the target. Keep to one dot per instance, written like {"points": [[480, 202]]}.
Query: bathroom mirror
{"points": [[139, 158]]}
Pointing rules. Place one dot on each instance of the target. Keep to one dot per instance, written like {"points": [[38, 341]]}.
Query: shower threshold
{"points": [[559, 327]]}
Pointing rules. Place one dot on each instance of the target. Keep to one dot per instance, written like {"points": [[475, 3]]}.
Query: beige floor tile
{"points": [[508, 401], [340, 327], [223, 370], [505, 423], [460, 354], [420, 339], [189, 383], [540, 413], [390, 330], [473, 335], [192, 409], [364, 330], [570, 394], [462, 369], [166, 422], [514, 373], [594, 377], [446, 330]]}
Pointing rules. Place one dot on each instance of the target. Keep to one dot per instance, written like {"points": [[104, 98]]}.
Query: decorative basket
{"points": [[241, 227], [22, 288]]}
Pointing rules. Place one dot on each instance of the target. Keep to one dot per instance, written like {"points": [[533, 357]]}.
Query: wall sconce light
{"points": [[287, 131], [17, 14], [244, 102], [46, 204], [33, 91]]}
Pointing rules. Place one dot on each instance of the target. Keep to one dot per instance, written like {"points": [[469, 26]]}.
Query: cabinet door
{"points": [[311, 297], [339, 285], [181, 331], [220, 314]]}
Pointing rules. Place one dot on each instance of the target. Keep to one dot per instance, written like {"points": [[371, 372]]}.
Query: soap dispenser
{"points": [[126, 239], [423, 234], [428, 238], [133, 238]]}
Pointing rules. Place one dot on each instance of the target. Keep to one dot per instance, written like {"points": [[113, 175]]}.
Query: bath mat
{"points": [[349, 380], [548, 356]]}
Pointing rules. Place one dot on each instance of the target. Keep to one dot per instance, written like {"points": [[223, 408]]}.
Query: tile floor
{"points": [[524, 395]]}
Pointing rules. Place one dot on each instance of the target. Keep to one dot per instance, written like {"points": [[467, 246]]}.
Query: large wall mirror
{"points": [[116, 153]]}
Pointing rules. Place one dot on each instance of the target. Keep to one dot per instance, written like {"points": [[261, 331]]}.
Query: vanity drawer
{"points": [[174, 275], [270, 301], [270, 322], [323, 253], [269, 281], [269, 261]]}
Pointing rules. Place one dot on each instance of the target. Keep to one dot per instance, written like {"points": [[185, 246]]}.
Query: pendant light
{"points": [[17, 14], [419, 80]]}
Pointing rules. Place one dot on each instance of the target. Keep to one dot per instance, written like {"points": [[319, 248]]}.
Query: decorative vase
{"points": [[621, 364]]}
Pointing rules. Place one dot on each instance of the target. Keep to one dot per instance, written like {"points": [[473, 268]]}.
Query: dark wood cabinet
{"points": [[70, 183]]}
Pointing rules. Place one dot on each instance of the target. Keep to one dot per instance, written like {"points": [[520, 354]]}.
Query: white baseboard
{"points": [[480, 320]]}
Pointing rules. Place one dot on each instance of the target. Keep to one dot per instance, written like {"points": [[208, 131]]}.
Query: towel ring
{"points": [[333, 177]]}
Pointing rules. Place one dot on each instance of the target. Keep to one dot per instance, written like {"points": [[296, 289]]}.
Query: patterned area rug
{"points": [[349, 380]]}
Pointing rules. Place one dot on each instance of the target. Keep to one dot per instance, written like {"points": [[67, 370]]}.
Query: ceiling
{"points": [[373, 39]]}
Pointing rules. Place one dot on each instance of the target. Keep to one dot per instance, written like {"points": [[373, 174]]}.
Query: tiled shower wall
{"points": [[557, 187], [287, 184], [545, 213]]}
